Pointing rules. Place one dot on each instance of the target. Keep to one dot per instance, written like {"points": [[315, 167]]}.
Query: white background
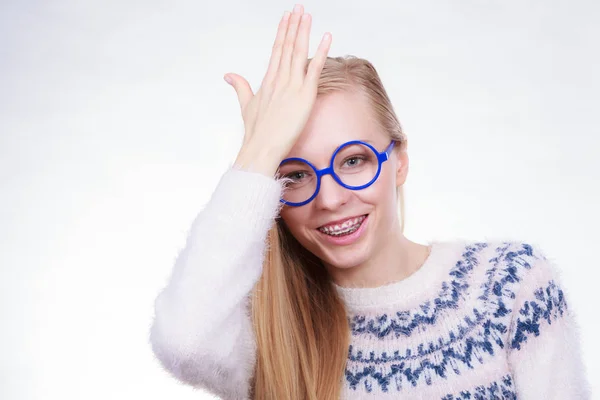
{"points": [[116, 124]]}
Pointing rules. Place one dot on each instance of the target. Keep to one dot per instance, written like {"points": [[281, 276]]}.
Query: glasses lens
{"points": [[303, 181], [356, 165]]}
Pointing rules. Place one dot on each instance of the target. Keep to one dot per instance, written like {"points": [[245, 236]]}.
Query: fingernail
{"points": [[297, 8], [228, 79]]}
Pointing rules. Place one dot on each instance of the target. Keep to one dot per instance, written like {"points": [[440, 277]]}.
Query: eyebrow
{"points": [[362, 140]]}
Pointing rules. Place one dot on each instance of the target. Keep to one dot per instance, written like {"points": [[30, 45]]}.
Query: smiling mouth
{"points": [[347, 227]]}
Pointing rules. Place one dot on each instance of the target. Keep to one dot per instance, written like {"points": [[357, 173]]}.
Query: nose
{"points": [[331, 195]]}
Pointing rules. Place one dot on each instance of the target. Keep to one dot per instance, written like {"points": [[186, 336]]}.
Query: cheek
{"points": [[294, 218], [382, 192], [382, 196]]}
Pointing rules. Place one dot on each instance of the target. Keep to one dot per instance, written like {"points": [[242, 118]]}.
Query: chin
{"points": [[346, 262], [343, 258]]}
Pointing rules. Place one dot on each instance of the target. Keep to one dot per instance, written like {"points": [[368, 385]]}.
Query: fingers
{"points": [[290, 51], [242, 88], [289, 44], [300, 54], [277, 49], [316, 64]]}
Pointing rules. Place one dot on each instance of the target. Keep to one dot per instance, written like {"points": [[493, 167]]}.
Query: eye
{"points": [[353, 161], [296, 175]]}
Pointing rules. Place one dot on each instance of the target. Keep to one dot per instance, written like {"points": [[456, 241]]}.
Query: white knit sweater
{"points": [[479, 320]]}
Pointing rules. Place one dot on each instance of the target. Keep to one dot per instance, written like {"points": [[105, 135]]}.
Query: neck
{"points": [[394, 260]]}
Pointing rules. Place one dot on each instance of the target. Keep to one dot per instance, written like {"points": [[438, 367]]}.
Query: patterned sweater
{"points": [[478, 320]]}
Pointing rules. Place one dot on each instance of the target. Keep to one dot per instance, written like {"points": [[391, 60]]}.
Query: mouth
{"points": [[344, 228]]}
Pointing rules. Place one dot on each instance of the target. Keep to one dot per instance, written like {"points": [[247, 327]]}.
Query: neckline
{"points": [[438, 260]]}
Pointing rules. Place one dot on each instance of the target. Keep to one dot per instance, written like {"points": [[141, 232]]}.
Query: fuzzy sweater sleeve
{"points": [[544, 341], [201, 331]]}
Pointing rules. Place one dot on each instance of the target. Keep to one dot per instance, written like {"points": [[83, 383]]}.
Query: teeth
{"points": [[346, 227]]}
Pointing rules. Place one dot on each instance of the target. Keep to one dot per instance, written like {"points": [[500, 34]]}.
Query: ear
{"points": [[401, 164]]}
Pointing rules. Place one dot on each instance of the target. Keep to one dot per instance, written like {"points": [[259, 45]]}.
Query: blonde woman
{"points": [[297, 282]]}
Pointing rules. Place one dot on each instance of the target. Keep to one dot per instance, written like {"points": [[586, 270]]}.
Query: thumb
{"points": [[242, 88]]}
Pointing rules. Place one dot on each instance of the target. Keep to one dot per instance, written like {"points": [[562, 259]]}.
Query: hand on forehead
{"points": [[335, 119]]}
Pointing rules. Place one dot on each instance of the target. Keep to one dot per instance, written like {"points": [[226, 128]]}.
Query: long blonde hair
{"points": [[300, 323]]}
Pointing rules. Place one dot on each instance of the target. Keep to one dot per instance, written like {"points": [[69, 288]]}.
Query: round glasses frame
{"points": [[381, 158]]}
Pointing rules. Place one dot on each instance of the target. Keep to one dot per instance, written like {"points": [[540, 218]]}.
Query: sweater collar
{"points": [[442, 257]]}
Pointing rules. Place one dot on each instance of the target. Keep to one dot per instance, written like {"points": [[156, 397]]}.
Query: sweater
{"points": [[478, 320]]}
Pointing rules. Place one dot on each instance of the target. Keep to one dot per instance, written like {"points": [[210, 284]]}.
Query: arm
{"points": [[544, 348], [202, 331]]}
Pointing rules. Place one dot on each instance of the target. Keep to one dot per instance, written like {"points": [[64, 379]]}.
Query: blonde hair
{"points": [[301, 327]]}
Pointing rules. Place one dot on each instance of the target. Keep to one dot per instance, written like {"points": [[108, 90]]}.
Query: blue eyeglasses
{"points": [[354, 165]]}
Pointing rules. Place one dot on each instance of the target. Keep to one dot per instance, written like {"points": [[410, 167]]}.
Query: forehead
{"points": [[337, 118]]}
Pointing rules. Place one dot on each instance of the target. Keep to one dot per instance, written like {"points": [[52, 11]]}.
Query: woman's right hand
{"points": [[275, 116]]}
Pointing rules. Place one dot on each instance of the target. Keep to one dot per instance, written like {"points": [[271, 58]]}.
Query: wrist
{"points": [[257, 159]]}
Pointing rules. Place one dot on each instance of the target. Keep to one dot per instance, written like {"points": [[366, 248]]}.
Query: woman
{"points": [[296, 281]]}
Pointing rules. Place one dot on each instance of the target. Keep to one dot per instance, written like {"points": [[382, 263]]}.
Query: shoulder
{"points": [[512, 272], [525, 288], [512, 261], [523, 264], [502, 271], [508, 260]]}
